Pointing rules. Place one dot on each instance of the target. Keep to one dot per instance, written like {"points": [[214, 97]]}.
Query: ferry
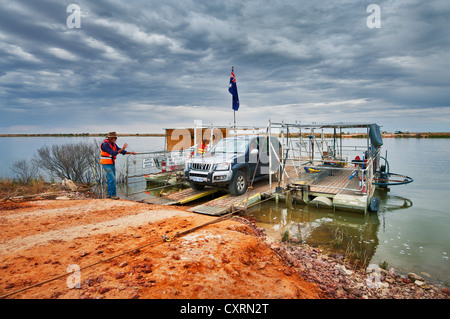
{"points": [[321, 166], [336, 165]]}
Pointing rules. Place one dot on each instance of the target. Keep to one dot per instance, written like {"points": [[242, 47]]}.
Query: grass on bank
{"points": [[12, 187]]}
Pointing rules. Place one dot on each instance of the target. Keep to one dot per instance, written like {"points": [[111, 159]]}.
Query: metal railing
{"points": [[296, 151], [140, 166], [318, 152]]}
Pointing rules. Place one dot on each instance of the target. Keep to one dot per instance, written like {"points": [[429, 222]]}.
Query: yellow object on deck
{"points": [[197, 196]]}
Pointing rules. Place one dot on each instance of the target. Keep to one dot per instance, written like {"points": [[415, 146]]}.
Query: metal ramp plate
{"points": [[189, 195], [159, 201], [225, 204], [181, 197], [210, 210], [216, 207]]}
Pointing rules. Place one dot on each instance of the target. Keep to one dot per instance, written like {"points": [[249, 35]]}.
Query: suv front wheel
{"points": [[238, 185]]}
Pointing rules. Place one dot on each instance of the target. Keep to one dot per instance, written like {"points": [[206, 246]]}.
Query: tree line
{"points": [[78, 162]]}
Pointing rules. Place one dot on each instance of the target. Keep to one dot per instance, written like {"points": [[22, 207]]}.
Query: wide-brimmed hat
{"points": [[112, 134]]}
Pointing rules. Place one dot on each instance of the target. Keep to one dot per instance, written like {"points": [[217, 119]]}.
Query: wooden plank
{"points": [[340, 179], [226, 203], [181, 197], [215, 207]]}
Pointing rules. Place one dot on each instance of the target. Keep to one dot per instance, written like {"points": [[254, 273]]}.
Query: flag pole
{"points": [[234, 111]]}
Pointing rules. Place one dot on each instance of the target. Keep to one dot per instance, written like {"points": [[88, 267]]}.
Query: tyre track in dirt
{"points": [[224, 260], [70, 233]]}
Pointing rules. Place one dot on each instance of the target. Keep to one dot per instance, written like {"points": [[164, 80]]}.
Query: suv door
{"points": [[264, 156], [257, 157], [273, 151], [275, 154], [251, 157]]}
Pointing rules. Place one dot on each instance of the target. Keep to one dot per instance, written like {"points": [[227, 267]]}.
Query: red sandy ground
{"points": [[41, 238]]}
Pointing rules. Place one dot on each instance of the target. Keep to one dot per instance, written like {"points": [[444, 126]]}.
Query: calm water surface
{"points": [[410, 230], [18, 148]]}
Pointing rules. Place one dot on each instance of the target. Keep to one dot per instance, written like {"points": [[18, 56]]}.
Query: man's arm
{"points": [[107, 148], [122, 150]]}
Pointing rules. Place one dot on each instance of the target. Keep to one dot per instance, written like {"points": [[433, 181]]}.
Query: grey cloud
{"points": [[169, 61]]}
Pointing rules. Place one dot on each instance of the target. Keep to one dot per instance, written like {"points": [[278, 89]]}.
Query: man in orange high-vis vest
{"points": [[202, 147], [109, 151]]}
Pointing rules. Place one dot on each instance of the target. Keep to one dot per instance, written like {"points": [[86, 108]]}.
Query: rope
{"points": [[162, 240]]}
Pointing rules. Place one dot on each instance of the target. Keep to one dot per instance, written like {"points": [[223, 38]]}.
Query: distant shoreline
{"points": [[79, 135], [410, 135], [344, 135]]}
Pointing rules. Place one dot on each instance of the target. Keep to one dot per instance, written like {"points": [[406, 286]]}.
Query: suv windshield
{"points": [[230, 145]]}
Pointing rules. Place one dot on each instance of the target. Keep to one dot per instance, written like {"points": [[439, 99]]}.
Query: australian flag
{"points": [[233, 90]]}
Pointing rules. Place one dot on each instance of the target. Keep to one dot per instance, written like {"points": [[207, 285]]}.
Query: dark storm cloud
{"points": [[142, 65]]}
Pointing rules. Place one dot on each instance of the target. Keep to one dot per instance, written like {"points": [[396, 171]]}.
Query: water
{"points": [[18, 148], [410, 231]]}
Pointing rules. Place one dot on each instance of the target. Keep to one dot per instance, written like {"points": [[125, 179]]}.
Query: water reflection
{"points": [[391, 202], [340, 233]]}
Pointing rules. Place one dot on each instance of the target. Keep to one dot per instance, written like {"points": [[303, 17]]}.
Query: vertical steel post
{"points": [[299, 147], [270, 157], [127, 192]]}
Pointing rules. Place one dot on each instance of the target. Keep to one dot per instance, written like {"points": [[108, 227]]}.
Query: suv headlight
{"points": [[222, 167]]}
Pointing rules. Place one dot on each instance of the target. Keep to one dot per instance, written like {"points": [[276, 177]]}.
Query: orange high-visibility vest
{"points": [[106, 158], [202, 148]]}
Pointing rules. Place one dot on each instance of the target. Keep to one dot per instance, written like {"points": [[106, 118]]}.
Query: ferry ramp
{"points": [[215, 207], [181, 197], [228, 203]]}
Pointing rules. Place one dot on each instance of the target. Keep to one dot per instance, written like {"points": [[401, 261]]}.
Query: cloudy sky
{"points": [[138, 66]]}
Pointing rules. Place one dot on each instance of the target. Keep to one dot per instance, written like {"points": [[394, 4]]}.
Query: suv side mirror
{"points": [[254, 151]]}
